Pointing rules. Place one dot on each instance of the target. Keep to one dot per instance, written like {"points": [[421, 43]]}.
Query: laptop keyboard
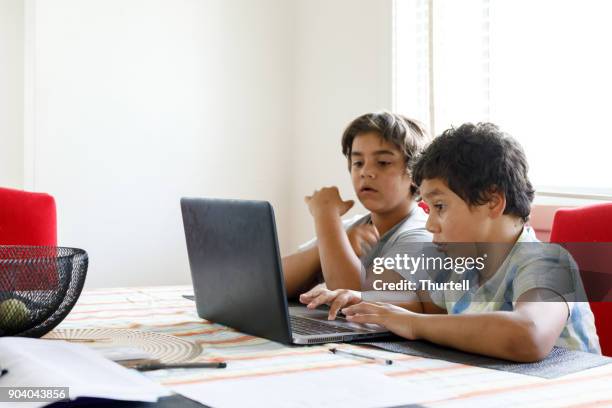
{"points": [[301, 325]]}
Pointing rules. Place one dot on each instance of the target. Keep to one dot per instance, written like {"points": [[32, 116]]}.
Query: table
{"points": [[163, 309]]}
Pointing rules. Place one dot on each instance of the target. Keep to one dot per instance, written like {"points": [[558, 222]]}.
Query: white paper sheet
{"points": [[53, 363], [342, 387]]}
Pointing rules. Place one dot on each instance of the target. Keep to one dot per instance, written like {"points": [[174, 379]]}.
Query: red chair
{"points": [[590, 224], [27, 219]]}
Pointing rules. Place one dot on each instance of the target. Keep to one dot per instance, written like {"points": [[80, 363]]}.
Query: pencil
{"points": [[162, 366], [379, 360], [78, 340]]}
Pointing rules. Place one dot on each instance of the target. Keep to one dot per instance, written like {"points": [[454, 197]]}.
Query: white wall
{"points": [[140, 102], [343, 69], [11, 92], [131, 104]]}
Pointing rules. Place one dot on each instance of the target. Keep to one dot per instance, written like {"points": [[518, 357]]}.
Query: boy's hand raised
{"points": [[363, 238], [336, 299], [327, 201]]}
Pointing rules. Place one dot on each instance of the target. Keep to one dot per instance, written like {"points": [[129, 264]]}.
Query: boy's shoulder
{"points": [[529, 252], [358, 219], [534, 264], [411, 229]]}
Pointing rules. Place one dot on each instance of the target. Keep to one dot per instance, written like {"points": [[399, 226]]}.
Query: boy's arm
{"points": [[525, 334], [340, 265], [300, 271]]}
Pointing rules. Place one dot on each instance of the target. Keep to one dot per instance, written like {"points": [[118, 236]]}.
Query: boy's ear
{"points": [[497, 203]]}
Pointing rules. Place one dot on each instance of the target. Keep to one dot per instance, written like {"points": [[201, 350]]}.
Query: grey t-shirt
{"points": [[402, 239]]}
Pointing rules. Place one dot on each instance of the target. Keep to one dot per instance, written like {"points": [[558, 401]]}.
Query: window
{"points": [[541, 69]]}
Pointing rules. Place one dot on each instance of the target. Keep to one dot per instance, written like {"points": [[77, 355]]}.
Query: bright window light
{"points": [[540, 69]]}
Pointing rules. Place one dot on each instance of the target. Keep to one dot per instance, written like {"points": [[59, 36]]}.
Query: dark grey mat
{"points": [[559, 362]]}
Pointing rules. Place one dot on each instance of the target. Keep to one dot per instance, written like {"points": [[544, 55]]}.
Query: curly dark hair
{"points": [[408, 135], [475, 161]]}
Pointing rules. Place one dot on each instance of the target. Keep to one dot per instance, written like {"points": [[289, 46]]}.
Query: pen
{"points": [[79, 340], [162, 366], [354, 354]]}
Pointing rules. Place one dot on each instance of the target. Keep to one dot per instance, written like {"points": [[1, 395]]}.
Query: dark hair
{"points": [[475, 161], [408, 135]]}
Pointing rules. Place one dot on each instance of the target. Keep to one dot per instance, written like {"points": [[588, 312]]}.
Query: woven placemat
{"points": [[166, 348], [559, 362]]}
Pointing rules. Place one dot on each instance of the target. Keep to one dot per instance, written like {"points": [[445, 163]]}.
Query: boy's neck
{"points": [[508, 233], [385, 221]]}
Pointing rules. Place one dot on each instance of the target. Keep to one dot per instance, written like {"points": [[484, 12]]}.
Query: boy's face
{"points": [[379, 174], [451, 219]]}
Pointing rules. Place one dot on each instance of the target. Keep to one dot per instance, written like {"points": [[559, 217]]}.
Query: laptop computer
{"points": [[238, 280]]}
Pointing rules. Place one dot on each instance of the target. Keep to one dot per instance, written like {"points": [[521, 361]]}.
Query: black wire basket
{"points": [[39, 285]]}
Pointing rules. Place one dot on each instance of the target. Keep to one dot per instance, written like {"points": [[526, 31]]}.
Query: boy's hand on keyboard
{"points": [[336, 299], [396, 319]]}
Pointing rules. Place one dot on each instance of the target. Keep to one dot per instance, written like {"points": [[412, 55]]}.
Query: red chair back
{"points": [[590, 224], [27, 219]]}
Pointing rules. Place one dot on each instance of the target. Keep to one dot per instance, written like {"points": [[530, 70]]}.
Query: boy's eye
{"points": [[357, 164], [384, 163], [439, 207]]}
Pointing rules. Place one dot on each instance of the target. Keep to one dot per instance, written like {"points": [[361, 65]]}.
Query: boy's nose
{"points": [[431, 225], [367, 172]]}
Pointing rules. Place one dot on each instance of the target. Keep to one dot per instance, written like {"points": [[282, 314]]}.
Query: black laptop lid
{"points": [[235, 265]]}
